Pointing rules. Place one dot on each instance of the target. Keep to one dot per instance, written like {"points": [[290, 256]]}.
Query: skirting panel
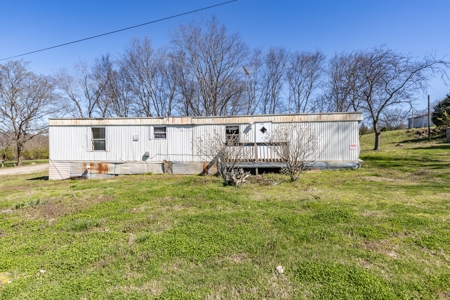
{"points": [[58, 170], [90, 170]]}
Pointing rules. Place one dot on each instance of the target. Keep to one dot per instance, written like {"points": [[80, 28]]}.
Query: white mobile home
{"points": [[114, 146]]}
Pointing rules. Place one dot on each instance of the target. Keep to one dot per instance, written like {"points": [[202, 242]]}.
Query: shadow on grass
{"points": [[423, 140], [434, 147], [39, 178], [411, 162]]}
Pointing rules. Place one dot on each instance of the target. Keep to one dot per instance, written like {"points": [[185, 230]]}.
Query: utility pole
{"points": [[429, 118]]}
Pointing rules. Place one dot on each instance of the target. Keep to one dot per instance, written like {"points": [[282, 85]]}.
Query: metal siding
{"points": [[202, 132], [58, 170], [247, 132], [334, 140], [179, 143], [187, 168], [69, 143]]}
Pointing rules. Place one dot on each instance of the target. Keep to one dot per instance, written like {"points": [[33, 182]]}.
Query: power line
{"points": [[119, 30]]}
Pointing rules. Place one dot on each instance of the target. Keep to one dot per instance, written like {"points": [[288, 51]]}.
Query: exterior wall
{"points": [[71, 143], [419, 122], [74, 144], [58, 170]]}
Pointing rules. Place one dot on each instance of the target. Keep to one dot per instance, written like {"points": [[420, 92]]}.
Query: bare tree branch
{"points": [[297, 145], [273, 79], [304, 76], [26, 99], [211, 62], [227, 152]]}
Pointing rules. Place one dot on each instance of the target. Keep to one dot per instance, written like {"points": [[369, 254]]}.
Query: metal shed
{"points": [[419, 121], [104, 147]]}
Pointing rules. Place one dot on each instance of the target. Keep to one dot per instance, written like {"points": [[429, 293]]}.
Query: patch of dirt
{"points": [[150, 288], [16, 188], [378, 179], [383, 247], [421, 175], [53, 208], [5, 278], [238, 258], [275, 287], [24, 169]]}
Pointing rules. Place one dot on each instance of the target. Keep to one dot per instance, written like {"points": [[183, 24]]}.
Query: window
{"points": [[263, 130], [232, 135], [159, 132], [98, 139]]}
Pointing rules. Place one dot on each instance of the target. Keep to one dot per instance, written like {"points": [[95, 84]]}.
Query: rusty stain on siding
{"points": [[96, 168], [102, 168]]}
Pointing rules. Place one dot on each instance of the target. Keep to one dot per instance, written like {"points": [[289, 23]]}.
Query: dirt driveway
{"points": [[24, 169]]}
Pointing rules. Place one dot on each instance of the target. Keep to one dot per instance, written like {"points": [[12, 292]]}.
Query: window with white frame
{"points": [[98, 138], [160, 132]]}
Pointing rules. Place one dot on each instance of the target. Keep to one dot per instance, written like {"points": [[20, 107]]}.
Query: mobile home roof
{"points": [[281, 118]]}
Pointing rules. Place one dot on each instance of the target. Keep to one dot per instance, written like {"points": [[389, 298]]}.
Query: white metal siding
{"points": [[204, 132], [179, 147], [72, 143], [58, 170]]}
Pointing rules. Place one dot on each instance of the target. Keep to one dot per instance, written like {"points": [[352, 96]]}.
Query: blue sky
{"points": [[417, 27]]}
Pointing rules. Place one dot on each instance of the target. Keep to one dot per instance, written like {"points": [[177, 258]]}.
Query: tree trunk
{"points": [[377, 136], [19, 154]]}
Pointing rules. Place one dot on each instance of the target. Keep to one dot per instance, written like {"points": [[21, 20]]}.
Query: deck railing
{"points": [[259, 152]]}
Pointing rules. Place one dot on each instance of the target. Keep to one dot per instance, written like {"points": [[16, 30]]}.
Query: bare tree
{"points": [[211, 63], [85, 87], [25, 100], [273, 79], [303, 75], [186, 87], [122, 99], [394, 118], [342, 87], [253, 71], [297, 145], [388, 79], [164, 93], [70, 86], [103, 75], [150, 76], [226, 151], [136, 66]]}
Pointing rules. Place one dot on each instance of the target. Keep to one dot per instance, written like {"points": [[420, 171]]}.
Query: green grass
{"points": [[12, 163], [380, 232]]}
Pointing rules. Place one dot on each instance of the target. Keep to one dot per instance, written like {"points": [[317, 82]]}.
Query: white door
{"points": [[262, 132]]}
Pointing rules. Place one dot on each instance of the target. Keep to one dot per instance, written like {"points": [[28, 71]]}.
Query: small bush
{"points": [[27, 155], [40, 153], [7, 153], [363, 129]]}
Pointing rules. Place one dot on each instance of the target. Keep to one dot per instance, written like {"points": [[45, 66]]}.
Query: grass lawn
{"points": [[380, 232], [13, 163]]}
